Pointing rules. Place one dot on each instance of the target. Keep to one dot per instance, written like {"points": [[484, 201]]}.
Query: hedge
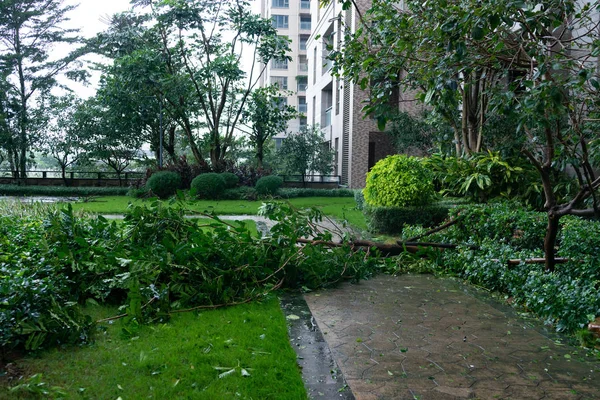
{"points": [[61, 191], [391, 220]]}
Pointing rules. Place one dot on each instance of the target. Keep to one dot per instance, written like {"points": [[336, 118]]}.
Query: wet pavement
{"points": [[420, 337], [320, 372]]}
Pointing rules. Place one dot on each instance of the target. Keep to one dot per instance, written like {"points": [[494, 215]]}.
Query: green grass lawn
{"points": [[194, 356], [341, 208]]}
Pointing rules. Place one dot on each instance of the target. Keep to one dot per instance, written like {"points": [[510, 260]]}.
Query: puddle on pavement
{"points": [[322, 377]]}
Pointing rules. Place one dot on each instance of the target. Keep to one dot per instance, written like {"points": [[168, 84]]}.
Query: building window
{"points": [[305, 4], [281, 3], [302, 105], [314, 110], [278, 142], [302, 41], [305, 22], [303, 123], [315, 66], [280, 21], [302, 64], [337, 96], [302, 83], [279, 64], [280, 81], [336, 156]]}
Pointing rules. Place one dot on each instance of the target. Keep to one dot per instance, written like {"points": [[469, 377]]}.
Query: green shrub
{"points": [[391, 220], [566, 298], [138, 193], [164, 184], [208, 186], [231, 179], [240, 193], [359, 197], [504, 222], [268, 185], [484, 176], [399, 181], [62, 191], [290, 193]]}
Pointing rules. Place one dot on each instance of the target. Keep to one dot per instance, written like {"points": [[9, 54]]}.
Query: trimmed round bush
{"points": [[164, 184], [231, 179], [209, 186], [268, 185], [399, 181]]}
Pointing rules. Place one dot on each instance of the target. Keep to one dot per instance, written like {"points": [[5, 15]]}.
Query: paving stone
{"points": [[417, 336]]}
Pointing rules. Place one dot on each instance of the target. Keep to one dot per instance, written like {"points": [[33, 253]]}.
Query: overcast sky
{"points": [[89, 16]]}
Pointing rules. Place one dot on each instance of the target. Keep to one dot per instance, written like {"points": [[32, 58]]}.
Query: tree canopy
{"points": [[29, 29], [535, 62]]}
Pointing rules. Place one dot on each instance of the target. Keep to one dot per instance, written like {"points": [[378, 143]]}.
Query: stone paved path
{"points": [[419, 337]]}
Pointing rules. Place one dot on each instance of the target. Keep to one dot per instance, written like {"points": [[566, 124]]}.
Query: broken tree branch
{"points": [[434, 230], [438, 245]]}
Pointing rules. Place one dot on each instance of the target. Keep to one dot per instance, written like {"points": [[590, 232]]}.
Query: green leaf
{"points": [[478, 32], [494, 21], [381, 123]]}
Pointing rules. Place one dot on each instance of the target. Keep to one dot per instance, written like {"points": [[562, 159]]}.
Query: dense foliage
{"points": [[566, 298], [508, 59], [483, 176], [391, 220], [290, 193], [164, 184], [231, 179], [156, 261], [303, 153], [208, 186], [268, 185], [398, 181], [84, 191]]}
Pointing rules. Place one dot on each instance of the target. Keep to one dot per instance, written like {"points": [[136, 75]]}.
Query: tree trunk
{"points": [[259, 155], [170, 145], [465, 122], [64, 175], [550, 240]]}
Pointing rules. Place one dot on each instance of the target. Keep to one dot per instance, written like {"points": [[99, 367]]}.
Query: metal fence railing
{"points": [[98, 175], [312, 178]]}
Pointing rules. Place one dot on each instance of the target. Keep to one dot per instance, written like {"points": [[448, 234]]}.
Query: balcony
{"points": [[305, 4], [303, 108], [303, 67]]}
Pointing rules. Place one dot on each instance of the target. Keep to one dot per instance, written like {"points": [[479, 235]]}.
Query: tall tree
{"points": [[29, 30], [266, 116], [211, 38], [146, 84], [112, 138], [545, 56], [305, 152], [63, 140]]}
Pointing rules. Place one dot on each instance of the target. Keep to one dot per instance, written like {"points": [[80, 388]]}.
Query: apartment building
{"points": [[335, 105], [292, 19], [324, 100]]}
